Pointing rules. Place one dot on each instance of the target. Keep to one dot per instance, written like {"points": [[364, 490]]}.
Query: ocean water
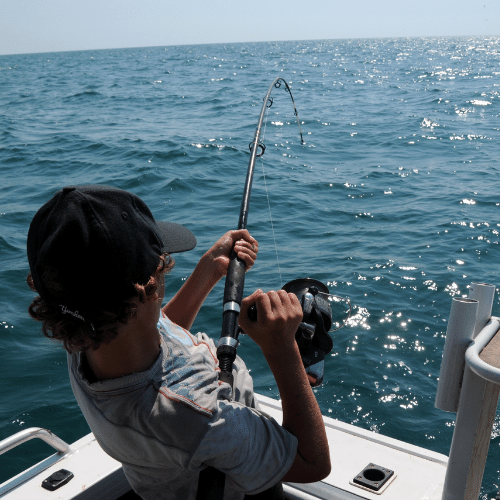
{"points": [[393, 201]]}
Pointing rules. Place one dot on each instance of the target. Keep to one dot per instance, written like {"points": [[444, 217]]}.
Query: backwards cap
{"points": [[99, 241]]}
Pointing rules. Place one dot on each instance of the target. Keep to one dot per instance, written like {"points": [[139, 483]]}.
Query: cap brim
{"points": [[176, 238]]}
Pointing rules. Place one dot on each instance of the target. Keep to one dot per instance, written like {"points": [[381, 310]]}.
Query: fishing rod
{"points": [[235, 278], [212, 481], [312, 335]]}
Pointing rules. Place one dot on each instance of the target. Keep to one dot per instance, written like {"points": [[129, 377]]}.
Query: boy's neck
{"points": [[133, 350]]}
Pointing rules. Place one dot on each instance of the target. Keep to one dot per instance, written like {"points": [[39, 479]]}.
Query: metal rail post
{"points": [[475, 415]]}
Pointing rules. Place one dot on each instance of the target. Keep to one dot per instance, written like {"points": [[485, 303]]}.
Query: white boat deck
{"points": [[419, 473], [97, 476]]}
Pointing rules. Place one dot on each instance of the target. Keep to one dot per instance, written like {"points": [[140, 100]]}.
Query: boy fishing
{"points": [[148, 388]]}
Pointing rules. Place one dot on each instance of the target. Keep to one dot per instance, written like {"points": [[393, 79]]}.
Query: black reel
{"points": [[312, 337]]}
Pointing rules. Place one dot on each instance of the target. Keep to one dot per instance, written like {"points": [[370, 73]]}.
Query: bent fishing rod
{"points": [[312, 336], [235, 278], [211, 481]]}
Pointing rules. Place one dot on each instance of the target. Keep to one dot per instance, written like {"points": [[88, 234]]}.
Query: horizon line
{"points": [[259, 41]]}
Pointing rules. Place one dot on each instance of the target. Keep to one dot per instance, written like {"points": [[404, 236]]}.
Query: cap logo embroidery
{"points": [[75, 314]]}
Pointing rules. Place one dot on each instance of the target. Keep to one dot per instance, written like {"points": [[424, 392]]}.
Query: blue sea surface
{"points": [[393, 201]]}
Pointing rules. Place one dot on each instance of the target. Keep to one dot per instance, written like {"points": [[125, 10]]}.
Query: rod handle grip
{"points": [[235, 280]]}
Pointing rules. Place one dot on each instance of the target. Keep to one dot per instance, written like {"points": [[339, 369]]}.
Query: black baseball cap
{"points": [[99, 241]]}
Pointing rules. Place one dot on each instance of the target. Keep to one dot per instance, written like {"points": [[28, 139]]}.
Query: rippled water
{"points": [[393, 200]]}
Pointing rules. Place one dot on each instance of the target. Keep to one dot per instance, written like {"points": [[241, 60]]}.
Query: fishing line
{"points": [[268, 104], [268, 200]]}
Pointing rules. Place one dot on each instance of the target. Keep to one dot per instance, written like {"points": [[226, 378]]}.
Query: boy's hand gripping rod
{"points": [[235, 278]]}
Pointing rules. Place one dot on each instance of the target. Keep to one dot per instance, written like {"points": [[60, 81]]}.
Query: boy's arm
{"points": [[278, 317], [184, 306]]}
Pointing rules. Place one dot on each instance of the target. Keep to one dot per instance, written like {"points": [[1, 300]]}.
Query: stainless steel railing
{"points": [[34, 432]]}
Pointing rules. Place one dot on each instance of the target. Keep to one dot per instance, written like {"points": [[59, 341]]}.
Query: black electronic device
{"points": [[57, 479]]}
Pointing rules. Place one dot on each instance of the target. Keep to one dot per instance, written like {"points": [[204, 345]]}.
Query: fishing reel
{"points": [[312, 336]]}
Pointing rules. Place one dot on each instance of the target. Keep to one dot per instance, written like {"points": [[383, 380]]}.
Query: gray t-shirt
{"points": [[169, 422]]}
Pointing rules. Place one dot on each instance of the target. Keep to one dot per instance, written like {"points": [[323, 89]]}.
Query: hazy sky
{"points": [[59, 25]]}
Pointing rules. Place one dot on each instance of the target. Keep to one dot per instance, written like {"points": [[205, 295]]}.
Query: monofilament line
{"points": [[269, 204]]}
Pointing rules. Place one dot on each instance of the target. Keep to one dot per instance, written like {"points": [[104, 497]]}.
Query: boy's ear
{"points": [[149, 291]]}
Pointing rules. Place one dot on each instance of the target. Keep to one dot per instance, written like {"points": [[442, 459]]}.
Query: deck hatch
{"points": [[373, 477]]}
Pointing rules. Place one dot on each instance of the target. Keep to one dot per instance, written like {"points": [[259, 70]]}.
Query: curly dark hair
{"points": [[78, 333]]}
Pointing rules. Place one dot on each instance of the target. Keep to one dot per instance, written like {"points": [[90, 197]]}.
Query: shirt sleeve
{"points": [[250, 447]]}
